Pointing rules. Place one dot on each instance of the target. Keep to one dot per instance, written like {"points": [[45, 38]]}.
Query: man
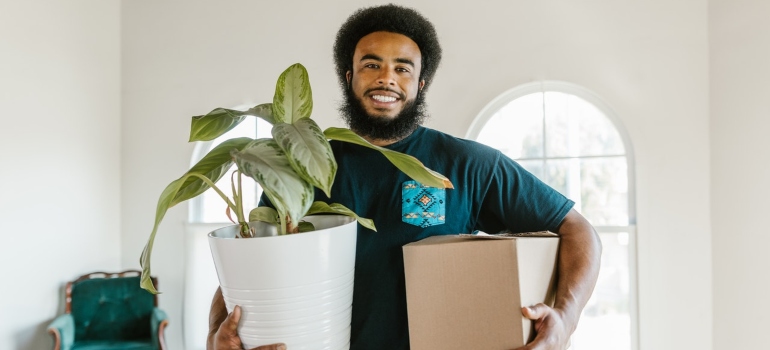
{"points": [[386, 57]]}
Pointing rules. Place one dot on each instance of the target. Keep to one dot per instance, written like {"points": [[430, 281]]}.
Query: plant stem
{"points": [[282, 226], [218, 191], [245, 229], [239, 204]]}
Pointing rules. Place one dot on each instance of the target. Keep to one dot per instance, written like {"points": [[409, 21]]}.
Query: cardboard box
{"points": [[467, 291]]}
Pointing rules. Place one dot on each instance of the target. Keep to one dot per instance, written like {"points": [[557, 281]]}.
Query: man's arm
{"points": [[223, 327], [578, 268]]}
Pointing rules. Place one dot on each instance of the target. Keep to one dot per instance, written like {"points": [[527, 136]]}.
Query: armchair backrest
{"points": [[110, 306]]}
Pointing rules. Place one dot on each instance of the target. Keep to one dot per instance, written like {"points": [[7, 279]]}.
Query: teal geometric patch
{"points": [[422, 205]]}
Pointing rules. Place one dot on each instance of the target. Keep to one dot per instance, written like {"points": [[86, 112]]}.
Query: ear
{"points": [[422, 84], [347, 77]]}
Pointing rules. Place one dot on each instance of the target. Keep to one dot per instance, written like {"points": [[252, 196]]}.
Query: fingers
{"points": [[550, 329], [231, 321], [535, 312], [228, 334]]}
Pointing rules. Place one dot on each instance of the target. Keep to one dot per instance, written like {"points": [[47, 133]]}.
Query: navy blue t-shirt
{"points": [[492, 193]]}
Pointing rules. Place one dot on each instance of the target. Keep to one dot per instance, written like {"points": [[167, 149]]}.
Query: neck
{"points": [[383, 142], [380, 142]]}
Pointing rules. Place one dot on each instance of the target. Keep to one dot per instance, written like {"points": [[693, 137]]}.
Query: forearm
{"points": [[578, 266], [217, 315]]}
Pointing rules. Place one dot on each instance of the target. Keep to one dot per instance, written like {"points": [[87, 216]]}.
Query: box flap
{"points": [[508, 235]]}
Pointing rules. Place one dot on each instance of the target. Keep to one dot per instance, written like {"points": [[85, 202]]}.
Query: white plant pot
{"points": [[295, 289]]}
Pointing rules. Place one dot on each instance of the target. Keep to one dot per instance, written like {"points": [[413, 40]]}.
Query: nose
{"points": [[386, 77]]}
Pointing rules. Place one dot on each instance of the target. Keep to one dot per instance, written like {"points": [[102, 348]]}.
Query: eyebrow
{"points": [[379, 59]]}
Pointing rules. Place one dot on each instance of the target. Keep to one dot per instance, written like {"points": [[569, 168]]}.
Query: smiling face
{"points": [[386, 74]]}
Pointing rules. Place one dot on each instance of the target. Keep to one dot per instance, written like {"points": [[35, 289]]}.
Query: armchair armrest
{"points": [[158, 322], [63, 331]]}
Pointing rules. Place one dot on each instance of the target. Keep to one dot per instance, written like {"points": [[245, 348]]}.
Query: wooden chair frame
{"points": [[93, 275]]}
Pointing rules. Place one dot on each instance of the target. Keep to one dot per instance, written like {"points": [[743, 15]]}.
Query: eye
{"points": [[402, 70], [371, 65]]}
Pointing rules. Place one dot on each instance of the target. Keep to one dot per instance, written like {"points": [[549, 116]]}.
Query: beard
{"points": [[380, 127]]}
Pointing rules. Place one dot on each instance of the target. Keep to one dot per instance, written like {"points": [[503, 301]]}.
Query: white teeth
{"points": [[381, 98]]}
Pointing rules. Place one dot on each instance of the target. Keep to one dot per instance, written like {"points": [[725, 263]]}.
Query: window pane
{"points": [[605, 323], [212, 206], [599, 187], [564, 176], [559, 126], [576, 128], [604, 193], [517, 128], [264, 129]]}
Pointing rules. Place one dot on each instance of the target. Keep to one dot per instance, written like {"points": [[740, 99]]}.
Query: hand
{"points": [[226, 337], [552, 332]]}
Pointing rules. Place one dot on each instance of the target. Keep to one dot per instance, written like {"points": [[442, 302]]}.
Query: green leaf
{"points": [[336, 208], [160, 211], [264, 214], [215, 123], [305, 226], [308, 152], [264, 111], [266, 163], [293, 99], [221, 120], [406, 163], [213, 166]]}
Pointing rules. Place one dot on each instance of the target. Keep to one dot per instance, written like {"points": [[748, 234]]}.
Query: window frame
{"points": [[499, 102]]}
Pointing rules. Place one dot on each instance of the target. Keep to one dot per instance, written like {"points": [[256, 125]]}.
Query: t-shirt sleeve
{"points": [[518, 201]]}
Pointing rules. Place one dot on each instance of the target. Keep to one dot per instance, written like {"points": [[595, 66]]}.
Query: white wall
{"points": [[739, 34], [60, 156], [648, 60]]}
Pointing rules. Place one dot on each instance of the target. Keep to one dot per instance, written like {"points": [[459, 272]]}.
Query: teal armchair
{"points": [[109, 311]]}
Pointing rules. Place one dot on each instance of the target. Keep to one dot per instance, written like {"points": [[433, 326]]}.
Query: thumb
{"points": [[535, 312], [231, 321]]}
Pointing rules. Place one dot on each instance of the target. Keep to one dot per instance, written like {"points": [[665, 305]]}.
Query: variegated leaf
{"points": [[308, 151], [305, 226], [213, 166], [406, 163], [160, 211], [215, 123], [336, 208], [264, 214], [264, 111], [266, 163], [293, 99]]}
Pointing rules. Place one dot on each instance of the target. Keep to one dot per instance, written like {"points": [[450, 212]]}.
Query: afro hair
{"points": [[387, 18]]}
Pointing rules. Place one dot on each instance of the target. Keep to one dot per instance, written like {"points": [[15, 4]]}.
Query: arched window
{"points": [[570, 139], [209, 207], [207, 212]]}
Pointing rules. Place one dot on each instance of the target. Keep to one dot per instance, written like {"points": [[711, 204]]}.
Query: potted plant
{"points": [[281, 279]]}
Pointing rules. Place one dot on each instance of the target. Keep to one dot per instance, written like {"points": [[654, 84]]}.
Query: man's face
{"points": [[386, 73], [383, 99]]}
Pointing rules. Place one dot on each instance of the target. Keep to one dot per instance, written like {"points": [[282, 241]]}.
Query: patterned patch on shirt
{"points": [[422, 205]]}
